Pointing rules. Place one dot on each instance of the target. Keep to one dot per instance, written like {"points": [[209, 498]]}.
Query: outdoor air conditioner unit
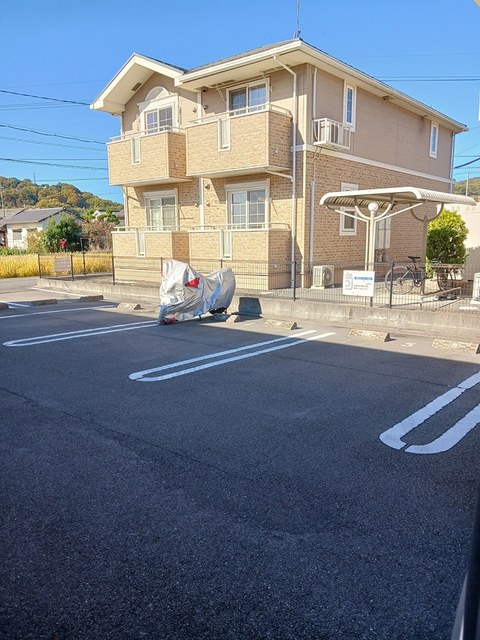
{"points": [[322, 276]]}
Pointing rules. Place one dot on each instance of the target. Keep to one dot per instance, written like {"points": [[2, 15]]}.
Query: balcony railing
{"points": [[147, 157], [243, 141], [328, 133]]}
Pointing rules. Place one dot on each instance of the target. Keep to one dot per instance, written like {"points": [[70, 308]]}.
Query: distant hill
{"points": [[473, 187], [24, 193]]}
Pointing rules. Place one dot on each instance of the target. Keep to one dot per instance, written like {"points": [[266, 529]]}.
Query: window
{"points": [[159, 111], [246, 206], [349, 106], [157, 120], [382, 234], [247, 99], [135, 149], [161, 211], [433, 140], [348, 225], [17, 237]]}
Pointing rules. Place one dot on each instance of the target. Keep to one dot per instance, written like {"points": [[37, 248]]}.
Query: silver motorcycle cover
{"points": [[185, 293]]}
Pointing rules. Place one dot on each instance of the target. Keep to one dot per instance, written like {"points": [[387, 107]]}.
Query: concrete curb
{"points": [[455, 325]]}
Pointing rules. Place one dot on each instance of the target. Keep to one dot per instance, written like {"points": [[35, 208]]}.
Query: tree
{"points": [[67, 228], [98, 233], [446, 238]]}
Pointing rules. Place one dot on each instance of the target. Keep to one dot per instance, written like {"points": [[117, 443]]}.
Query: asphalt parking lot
{"points": [[228, 480]]}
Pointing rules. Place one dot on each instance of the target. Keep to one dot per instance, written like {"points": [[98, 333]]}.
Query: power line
{"points": [[51, 144], [29, 95], [32, 106], [47, 133], [53, 164], [429, 78]]}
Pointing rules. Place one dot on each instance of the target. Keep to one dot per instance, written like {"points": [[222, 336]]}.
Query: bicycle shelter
{"points": [[374, 205]]}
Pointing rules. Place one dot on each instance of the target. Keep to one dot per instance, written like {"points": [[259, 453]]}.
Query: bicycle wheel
{"points": [[444, 279], [399, 280]]}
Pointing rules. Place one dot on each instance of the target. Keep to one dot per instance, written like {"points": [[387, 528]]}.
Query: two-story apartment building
{"points": [[229, 160]]}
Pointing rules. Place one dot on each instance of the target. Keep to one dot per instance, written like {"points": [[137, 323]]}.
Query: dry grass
{"points": [[27, 265]]}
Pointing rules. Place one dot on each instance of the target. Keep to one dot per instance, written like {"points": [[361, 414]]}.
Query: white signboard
{"points": [[359, 283]]}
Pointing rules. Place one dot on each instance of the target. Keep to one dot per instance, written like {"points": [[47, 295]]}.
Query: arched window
{"points": [[159, 111]]}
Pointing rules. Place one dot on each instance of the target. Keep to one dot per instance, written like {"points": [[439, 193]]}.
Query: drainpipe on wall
{"points": [[125, 207], [200, 202], [451, 161], [294, 167]]}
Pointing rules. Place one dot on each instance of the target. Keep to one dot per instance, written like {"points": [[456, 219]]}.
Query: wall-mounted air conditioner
{"points": [[323, 276]]}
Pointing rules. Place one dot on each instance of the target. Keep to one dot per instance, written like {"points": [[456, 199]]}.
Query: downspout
{"points": [[124, 189], [312, 182], [200, 202], [452, 161], [294, 168]]}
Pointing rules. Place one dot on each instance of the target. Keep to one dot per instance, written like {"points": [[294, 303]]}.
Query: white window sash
{"points": [[250, 205], [161, 213], [433, 140], [349, 106]]}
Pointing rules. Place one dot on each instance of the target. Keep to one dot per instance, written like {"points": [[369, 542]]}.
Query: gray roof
{"points": [[251, 52], [32, 215], [10, 212]]}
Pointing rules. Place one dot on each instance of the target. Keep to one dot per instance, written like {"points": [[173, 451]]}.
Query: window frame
{"points": [[434, 133], [156, 195], [248, 187], [343, 229], [349, 121], [163, 100], [248, 108]]}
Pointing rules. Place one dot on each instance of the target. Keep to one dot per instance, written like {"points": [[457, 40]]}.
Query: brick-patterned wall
{"points": [[204, 245], [329, 246], [188, 199], [162, 155], [257, 139], [124, 244]]}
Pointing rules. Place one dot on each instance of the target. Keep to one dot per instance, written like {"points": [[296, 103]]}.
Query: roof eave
{"points": [[134, 73]]}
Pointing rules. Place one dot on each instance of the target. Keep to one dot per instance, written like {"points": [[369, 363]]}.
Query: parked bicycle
{"points": [[402, 279]]}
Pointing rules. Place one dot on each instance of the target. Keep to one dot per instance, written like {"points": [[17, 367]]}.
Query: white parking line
{"points": [[393, 437], [62, 293], [85, 333], [41, 313], [141, 376]]}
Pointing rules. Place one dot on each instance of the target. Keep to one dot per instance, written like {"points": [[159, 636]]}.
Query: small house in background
{"points": [[4, 215], [19, 226]]}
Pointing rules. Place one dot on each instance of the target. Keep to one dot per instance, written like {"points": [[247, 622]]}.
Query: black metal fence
{"points": [[405, 285], [74, 265]]}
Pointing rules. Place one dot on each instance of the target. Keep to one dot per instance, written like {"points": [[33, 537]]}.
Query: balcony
{"points": [[240, 143], [142, 159], [330, 134]]}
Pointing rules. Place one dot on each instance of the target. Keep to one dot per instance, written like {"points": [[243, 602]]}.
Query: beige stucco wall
{"points": [[385, 131], [187, 102]]}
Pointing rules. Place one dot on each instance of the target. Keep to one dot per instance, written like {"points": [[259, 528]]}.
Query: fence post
{"points": [[113, 269], [390, 297], [39, 266], [71, 266], [84, 267]]}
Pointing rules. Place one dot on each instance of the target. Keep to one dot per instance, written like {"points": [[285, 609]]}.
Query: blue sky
{"points": [[70, 50]]}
